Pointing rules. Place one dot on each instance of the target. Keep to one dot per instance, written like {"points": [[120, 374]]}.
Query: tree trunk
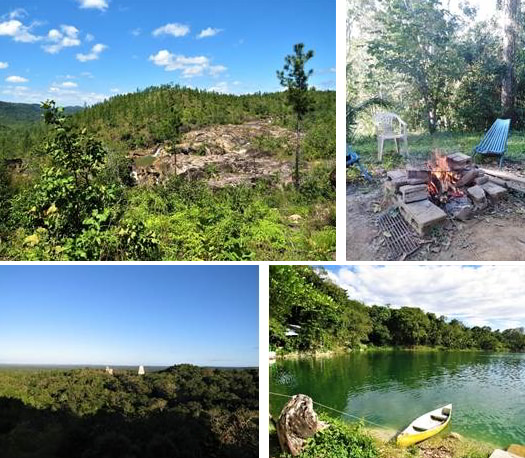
{"points": [[429, 105], [511, 10], [431, 120], [297, 155]]}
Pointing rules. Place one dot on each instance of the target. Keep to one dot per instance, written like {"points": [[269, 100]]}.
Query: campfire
{"points": [[448, 185], [442, 184]]}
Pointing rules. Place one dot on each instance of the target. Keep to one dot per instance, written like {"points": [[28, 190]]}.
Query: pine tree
{"points": [[295, 79]]}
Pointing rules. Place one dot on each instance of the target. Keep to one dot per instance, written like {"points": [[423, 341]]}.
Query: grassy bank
{"points": [[352, 440], [422, 144]]}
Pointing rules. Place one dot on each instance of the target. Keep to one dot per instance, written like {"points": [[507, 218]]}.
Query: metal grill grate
{"points": [[403, 241]]}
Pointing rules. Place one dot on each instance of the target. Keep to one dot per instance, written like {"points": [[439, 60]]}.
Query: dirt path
{"points": [[497, 234]]}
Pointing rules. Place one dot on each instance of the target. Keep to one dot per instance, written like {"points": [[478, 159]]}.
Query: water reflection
{"points": [[392, 388]]}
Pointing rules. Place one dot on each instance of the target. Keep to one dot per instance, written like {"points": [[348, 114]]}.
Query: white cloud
{"points": [[136, 32], [13, 89], [216, 70], [18, 31], [87, 75], [66, 38], [101, 5], [69, 84], [16, 79], [487, 295], [22, 94], [188, 66], [177, 30], [68, 96], [18, 13], [221, 87], [209, 32], [93, 55], [3, 65], [115, 90], [89, 37]]}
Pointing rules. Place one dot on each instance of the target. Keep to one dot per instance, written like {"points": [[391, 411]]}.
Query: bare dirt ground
{"points": [[496, 234], [222, 154]]}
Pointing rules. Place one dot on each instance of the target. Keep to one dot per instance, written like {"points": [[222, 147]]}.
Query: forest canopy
{"points": [[328, 319], [184, 411], [439, 66]]}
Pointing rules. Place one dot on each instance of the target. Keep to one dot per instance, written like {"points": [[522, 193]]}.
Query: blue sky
{"points": [[476, 295], [129, 315], [77, 51]]}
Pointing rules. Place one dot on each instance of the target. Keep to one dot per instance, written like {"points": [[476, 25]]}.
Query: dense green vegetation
{"points": [[143, 118], [341, 440], [73, 198], [184, 411], [440, 68], [302, 295], [23, 113]]}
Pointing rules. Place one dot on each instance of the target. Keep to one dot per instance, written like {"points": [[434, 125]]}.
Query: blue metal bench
{"points": [[495, 140]]}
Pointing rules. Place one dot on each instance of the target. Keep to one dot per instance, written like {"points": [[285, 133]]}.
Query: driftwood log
{"points": [[297, 422]]}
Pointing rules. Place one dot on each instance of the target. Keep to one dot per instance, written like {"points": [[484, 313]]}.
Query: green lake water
{"points": [[393, 388]]}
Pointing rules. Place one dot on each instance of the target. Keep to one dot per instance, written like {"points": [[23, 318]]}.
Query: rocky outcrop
{"points": [[297, 422], [223, 155]]}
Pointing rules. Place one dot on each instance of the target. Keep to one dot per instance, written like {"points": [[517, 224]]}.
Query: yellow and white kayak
{"points": [[425, 426]]}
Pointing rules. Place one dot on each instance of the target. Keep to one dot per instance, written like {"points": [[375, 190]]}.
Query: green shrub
{"points": [[340, 440]]}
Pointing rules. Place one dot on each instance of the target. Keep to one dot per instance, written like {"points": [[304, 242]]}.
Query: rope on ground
{"points": [[335, 410]]}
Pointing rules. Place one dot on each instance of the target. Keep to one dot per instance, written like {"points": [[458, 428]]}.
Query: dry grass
{"points": [[437, 447]]}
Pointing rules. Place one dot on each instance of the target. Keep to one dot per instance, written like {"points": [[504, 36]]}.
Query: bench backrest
{"points": [[495, 140]]}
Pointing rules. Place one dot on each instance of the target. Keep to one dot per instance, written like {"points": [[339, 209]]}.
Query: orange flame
{"points": [[443, 181]]}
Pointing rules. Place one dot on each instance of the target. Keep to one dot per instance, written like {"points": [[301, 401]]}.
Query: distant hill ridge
{"points": [[19, 113]]}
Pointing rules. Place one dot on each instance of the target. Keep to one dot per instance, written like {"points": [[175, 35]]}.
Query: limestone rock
{"points": [[295, 218], [297, 422], [456, 436]]}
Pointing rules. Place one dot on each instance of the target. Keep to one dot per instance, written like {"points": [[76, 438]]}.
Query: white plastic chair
{"points": [[390, 126]]}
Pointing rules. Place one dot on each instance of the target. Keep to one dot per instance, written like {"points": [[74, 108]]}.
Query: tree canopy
{"points": [[440, 67], [184, 411], [328, 319]]}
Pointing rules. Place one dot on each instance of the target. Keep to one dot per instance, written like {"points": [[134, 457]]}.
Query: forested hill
{"points": [[151, 116], [328, 319], [184, 411], [23, 113], [200, 205], [148, 117]]}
